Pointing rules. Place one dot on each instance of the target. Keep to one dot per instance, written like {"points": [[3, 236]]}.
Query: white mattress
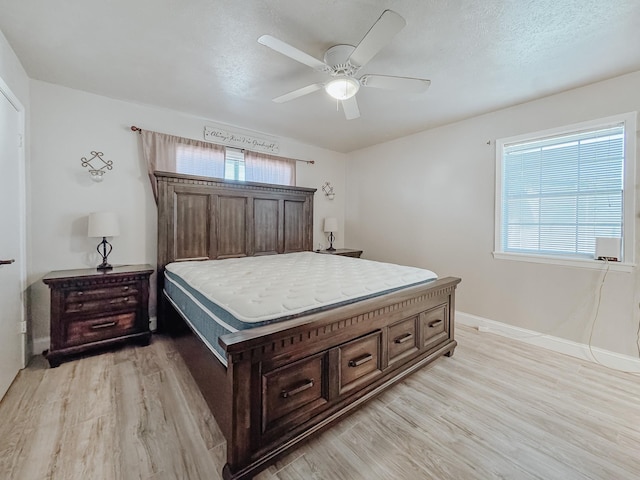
{"points": [[264, 288]]}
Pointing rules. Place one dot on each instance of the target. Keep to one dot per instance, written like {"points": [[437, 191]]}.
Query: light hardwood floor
{"points": [[496, 409]]}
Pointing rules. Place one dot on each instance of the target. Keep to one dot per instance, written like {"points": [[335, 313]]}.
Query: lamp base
{"points": [[332, 237], [104, 249]]}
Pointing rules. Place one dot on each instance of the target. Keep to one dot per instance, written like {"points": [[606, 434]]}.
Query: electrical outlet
{"points": [[22, 327]]}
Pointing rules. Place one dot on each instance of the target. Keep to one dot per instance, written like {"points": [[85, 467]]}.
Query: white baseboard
{"points": [[579, 350], [40, 345]]}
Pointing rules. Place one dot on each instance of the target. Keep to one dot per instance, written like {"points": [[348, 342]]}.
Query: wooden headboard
{"points": [[206, 218]]}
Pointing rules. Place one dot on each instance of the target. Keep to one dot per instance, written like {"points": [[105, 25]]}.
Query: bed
{"points": [[278, 383]]}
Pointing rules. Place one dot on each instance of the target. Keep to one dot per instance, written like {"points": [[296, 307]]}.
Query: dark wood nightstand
{"points": [[345, 252], [92, 309]]}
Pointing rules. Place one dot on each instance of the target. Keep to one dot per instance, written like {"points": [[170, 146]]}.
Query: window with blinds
{"points": [[194, 160], [234, 166], [557, 193]]}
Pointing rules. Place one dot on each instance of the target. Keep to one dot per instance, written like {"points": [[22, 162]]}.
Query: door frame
{"points": [[22, 206]]}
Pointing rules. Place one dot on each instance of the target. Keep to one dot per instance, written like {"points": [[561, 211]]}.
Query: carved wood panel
{"points": [[294, 232], [232, 226], [192, 216], [265, 225]]}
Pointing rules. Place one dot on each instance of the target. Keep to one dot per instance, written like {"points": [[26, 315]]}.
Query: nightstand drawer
{"points": [[80, 296], [96, 329], [118, 303]]}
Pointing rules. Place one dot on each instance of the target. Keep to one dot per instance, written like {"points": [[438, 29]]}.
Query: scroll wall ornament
{"points": [[327, 188], [102, 165]]}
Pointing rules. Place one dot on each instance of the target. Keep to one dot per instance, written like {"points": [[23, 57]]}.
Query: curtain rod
{"points": [[139, 130]]}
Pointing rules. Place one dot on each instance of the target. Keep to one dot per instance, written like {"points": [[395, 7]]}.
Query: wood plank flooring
{"points": [[497, 409]]}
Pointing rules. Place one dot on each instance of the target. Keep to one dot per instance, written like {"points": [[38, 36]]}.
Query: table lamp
{"points": [[330, 226], [103, 224]]}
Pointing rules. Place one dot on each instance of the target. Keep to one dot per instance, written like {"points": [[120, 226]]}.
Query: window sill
{"points": [[566, 261]]}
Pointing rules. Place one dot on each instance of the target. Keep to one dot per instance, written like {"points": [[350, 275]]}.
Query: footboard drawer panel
{"points": [[403, 339], [435, 326], [295, 390], [360, 361]]}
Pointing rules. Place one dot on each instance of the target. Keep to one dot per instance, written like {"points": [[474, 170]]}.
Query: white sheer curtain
{"points": [[260, 167], [167, 153]]}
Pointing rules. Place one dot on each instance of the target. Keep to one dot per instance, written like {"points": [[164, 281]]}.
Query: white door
{"points": [[11, 241]]}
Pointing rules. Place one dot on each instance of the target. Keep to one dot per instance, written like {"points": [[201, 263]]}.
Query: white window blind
{"points": [[561, 192], [234, 166], [196, 160]]}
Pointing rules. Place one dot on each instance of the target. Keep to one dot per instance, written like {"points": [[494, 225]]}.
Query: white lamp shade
{"points": [[103, 224], [330, 224]]}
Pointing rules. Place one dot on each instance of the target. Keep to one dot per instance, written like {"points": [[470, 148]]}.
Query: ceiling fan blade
{"points": [[298, 93], [292, 52], [406, 84], [377, 37], [350, 107]]}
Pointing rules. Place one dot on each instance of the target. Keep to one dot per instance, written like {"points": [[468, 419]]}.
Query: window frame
{"points": [[628, 199]]}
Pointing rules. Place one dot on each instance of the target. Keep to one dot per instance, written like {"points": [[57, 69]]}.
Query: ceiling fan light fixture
{"points": [[342, 88]]}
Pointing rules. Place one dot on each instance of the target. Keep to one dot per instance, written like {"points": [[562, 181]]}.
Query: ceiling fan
{"points": [[343, 62]]}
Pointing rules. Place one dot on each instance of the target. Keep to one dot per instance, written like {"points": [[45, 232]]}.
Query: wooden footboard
{"points": [[288, 381]]}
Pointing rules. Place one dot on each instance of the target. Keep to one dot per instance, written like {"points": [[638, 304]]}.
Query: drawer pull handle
{"points": [[307, 384], [80, 293], [119, 300], [7, 262], [403, 338], [103, 325], [435, 323], [359, 361], [124, 289]]}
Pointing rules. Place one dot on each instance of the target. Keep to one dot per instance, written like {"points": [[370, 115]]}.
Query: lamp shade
{"points": [[330, 224], [103, 224]]}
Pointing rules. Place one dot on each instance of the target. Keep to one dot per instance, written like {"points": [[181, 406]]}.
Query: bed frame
{"points": [[288, 381]]}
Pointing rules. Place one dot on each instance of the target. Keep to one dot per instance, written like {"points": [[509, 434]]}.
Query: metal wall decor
{"points": [[103, 165], [327, 188]]}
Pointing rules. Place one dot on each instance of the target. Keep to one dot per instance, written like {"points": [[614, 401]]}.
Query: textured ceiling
{"points": [[202, 57]]}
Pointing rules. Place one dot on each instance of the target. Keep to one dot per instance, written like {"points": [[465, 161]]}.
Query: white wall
{"points": [[428, 200], [67, 125], [12, 73]]}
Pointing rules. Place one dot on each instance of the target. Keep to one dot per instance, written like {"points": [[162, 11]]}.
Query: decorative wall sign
{"points": [[240, 140]]}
